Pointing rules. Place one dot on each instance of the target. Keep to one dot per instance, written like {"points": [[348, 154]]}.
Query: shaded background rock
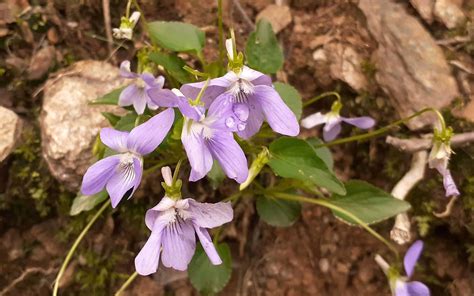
{"points": [[278, 15], [69, 125], [449, 12], [345, 65], [424, 8], [411, 68], [10, 131]]}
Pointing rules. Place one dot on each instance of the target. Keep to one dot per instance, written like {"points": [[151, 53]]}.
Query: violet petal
{"points": [[280, 118], [411, 257], [98, 175], [198, 153], [114, 139], [230, 156], [210, 215], [144, 138], [364, 122], [179, 244], [207, 245]]}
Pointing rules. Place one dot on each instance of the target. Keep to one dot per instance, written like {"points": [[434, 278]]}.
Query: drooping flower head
{"points": [[121, 173], [174, 223], [332, 121], [249, 98], [206, 137], [439, 159], [125, 31], [400, 285], [136, 93]]}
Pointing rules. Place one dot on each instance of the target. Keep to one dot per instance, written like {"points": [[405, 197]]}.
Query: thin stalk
{"points": [[323, 95], [221, 35], [78, 240], [376, 132], [127, 283], [156, 166], [142, 15], [329, 205], [201, 92], [176, 171], [233, 197]]}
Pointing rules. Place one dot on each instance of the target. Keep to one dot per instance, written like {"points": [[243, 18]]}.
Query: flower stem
{"points": [[127, 283], [176, 171], [221, 35], [78, 240], [334, 207], [144, 23], [377, 132], [323, 95], [201, 92]]}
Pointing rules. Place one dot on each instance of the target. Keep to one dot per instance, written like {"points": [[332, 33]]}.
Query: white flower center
{"points": [[240, 90], [202, 128]]}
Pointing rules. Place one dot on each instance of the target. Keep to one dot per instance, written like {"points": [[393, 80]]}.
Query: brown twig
{"points": [[245, 16], [449, 208], [26, 273], [401, 229], [108, 25], [417, 144]]}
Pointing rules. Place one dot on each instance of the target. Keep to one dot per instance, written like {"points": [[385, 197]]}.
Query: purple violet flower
{"points": [[206, 138], [248, 98], [174, 225], [414, 288], [136, 93], [121, 174], [332, 123], [439, 160], [400, 285]]}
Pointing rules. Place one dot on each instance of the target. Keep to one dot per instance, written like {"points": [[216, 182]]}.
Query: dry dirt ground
{"points": [[319, 255]]}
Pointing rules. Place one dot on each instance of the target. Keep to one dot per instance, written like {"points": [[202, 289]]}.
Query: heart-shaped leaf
{"points": [[262, 50], [297, 159], [206, 277], [367, 202], [177, 36], [278, 212]]}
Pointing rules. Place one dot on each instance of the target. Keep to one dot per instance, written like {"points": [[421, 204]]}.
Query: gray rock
{"points": [[424, 8], [411, 67], [449, 12], [69, 125], [345, 65], [278, 15], [41, 62], [10, 131]]}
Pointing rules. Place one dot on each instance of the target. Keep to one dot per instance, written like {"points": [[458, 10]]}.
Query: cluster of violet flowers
{"points": [[214, 111], [238, 102]]}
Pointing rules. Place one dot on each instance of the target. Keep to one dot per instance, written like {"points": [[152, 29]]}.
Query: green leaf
{"points": [[110, 98], [216, 175], [173, 64], [84, 203], [111, 117], [291, 97], [177, 36], [368, 203], [278, 212], [206, 277], [262, 50], [126, 123], [323, 152], [297, 159]]}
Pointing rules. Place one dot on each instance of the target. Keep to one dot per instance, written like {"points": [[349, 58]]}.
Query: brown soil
{"points": [[319, 255]]}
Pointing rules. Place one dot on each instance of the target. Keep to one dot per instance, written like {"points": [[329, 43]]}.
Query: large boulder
{"points": [[10, 131], [69, 124], [411, 68]]}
